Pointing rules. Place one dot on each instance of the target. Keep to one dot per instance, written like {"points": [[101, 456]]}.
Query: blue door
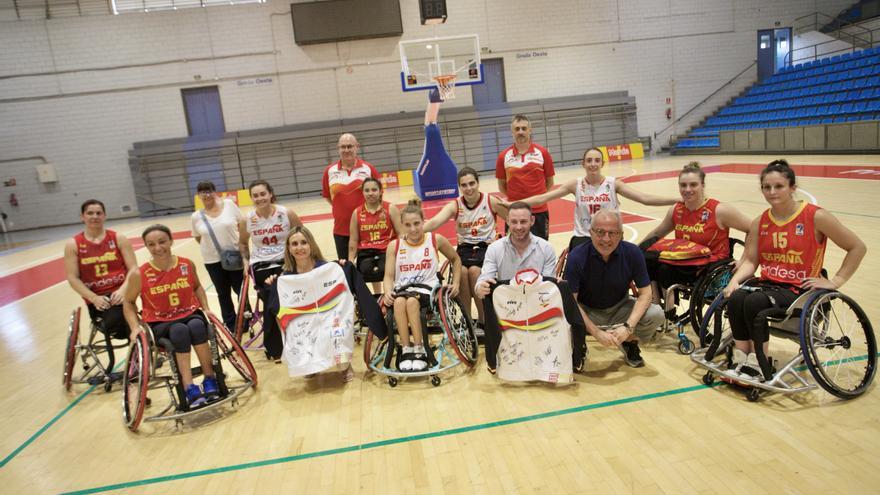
{"points": [[204, 124], [492, 90], [766, 54]]}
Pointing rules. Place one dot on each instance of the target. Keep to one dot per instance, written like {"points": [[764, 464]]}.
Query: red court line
{"points": [[36, 278], [864, 172]]}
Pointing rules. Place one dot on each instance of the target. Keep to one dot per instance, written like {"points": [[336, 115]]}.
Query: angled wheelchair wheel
{"points": [[705, 291], [136, 381], [560, 264], [715, 325], [232, 351], [241, 318], [70, 350], [459, 328], [838, 344]]}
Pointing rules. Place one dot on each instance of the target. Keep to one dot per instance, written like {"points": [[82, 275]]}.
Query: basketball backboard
{"points": [[423, 61]]}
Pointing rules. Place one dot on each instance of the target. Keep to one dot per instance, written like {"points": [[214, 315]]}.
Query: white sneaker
{"points": [[419, 362], [739, 358], [751, 367], [406, 363]]}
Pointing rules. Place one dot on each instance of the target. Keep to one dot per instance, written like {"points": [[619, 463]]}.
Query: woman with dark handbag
{"points": [[215, 227]]}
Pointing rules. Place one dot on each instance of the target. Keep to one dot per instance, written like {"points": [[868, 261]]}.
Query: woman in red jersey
{"points": [[788, 243], [173, 302], [704, 221], [374, 225], [96, 262]]}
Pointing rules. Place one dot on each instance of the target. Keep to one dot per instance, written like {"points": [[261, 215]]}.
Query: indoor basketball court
{"points": [[655, 429]]}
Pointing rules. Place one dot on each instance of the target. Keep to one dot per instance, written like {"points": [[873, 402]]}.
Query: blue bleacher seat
{"points": [[838, 120], [852, 118], [846, 108], [827, 120], [845, 56]]}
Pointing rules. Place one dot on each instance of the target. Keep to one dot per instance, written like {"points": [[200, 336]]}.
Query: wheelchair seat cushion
{"points": [[681, 252]]}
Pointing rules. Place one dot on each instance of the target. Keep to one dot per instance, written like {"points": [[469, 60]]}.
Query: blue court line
{"points": [[46, 426], [412, 438], [52, 421], [391, 441]]}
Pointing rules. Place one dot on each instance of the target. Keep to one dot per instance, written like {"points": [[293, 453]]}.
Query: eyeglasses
{"points": [[610, 233]]}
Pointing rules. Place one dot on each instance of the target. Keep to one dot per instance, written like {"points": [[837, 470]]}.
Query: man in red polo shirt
{"points": [[526, 169], [341, 187]]}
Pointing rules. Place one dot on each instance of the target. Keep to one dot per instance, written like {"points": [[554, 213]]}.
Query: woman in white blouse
{"points": [[223, 216]]}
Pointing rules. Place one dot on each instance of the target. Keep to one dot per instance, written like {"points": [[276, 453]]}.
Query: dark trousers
{"points": [[224, 283], [341, 242], [748, 311], [271, 334]]}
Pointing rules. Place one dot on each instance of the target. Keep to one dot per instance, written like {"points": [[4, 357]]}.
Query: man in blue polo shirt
{"points": [[599, 274]]}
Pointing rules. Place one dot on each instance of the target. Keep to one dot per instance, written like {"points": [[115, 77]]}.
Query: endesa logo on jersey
{"points": [[422, 265], [776, 272]]}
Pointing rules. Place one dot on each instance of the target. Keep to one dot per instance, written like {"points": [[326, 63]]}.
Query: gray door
{"points": [[492, 90]]}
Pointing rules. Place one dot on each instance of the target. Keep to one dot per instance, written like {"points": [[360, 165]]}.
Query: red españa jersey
{"points": [[701, 226], [375, 230], [168, 295], [526, 174], [343, 189], [787, 249], [101, 265]]}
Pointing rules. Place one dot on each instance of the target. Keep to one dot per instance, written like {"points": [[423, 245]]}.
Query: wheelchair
{"points": [[448, 336], [249, 317], [684, 304], [95, 369], [837, 347], [144, 372]]}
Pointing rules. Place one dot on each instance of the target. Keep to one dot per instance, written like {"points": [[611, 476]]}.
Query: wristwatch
{"points": [[626, 325]]}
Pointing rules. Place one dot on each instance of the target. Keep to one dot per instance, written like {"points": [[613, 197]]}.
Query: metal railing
{"points": [[293, 159], [706, 99]]}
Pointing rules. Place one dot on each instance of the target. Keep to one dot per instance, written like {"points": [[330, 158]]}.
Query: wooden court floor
{"points": [[617, 430]]}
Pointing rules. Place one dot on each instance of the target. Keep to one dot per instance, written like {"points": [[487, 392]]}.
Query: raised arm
{"points": [[729, 217], [829, 226], [567, 188], [663, 228], [441, 217], [634, 194], [500, 208], [293, 218]]}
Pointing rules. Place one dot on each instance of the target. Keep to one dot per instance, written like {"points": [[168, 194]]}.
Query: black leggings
{"points": [[110, 322], [667, 275], [271, 334], [184, 333], [748, 310], [225, 282]]}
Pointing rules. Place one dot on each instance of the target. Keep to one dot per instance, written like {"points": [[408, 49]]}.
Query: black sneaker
{"points": [[632, 355]]}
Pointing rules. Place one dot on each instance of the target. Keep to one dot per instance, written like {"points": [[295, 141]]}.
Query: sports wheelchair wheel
{"points": [[560, 264], [838, 344], [231, 350], [459, 328], [241, 317], [136, 381], [70, 351], [706, 290]]}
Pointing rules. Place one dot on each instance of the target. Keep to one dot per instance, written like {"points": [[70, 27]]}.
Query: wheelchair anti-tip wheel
{"points": [[838, 344]]}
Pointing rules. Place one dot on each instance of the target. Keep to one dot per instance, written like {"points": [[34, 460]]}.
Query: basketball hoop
{"points": [[446, 85]]}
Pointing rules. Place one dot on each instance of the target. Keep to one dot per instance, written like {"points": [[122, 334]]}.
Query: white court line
{"points": [[635, 233], [807, 194]]}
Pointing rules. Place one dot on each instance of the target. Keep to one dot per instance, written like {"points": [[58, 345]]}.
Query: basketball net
{"points": [[446, 85]]}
